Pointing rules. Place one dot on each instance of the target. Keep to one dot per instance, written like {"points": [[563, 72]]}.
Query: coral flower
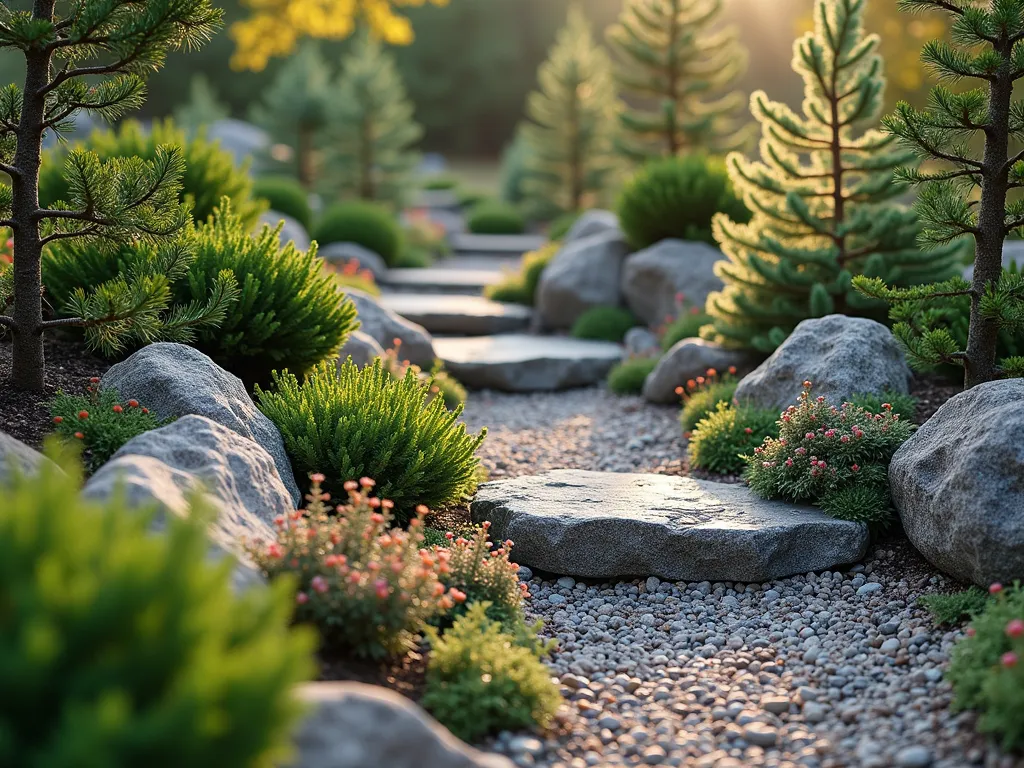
{"points": [[995, 589], [57, 419], [117, 409], [83, 414], [133, 403], [381, 588], [316, 477], [80, 435]]}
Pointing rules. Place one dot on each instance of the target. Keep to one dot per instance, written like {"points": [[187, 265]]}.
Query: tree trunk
{"points": [[672, 77], [305, 157], [983, 336]]}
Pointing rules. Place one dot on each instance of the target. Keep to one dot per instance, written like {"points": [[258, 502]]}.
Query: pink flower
{"points": [[748, 430], [844, 439], [995, 589], [789, 462], [809, 435], [855, 468], [1015, 628], [1009, 659], [316, 477], [800, 451], [366, 482], [319, 584], [971, 632], [381, 588], [301, 598]]}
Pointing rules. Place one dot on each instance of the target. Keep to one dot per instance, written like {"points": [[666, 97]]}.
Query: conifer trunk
{"points": [[575, 157], [305, 156], [672, 77], [366, 160]]}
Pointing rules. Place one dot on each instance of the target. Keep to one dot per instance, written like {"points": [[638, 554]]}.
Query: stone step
{"points": [[607, 525], [524, 363], [470, 282], [496, 245], [458, 315]]}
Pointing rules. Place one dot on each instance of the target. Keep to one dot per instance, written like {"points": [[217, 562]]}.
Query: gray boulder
{"points": [[385, 326], [584, 273], [842, 356], [653, 277], [608, 525], [592, 222], [291, 231], [245, 141], [342, 253], [362, 348], [958, 484], [1013, 253], [174, 380], [18, 457], [687, 359], [351, 725], [641, 342]]}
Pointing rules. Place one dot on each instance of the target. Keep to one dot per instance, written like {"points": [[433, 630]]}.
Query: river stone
{"points": [[583, 274], [385, 326], [842, 356], [958, 484], [591, 222], [687, 359], [459, 315], [16, 456], [340, 254], [522, 363], [654, 277], [352, 725], [291, 230], [608, 525], [174, 380], [363, 349]]}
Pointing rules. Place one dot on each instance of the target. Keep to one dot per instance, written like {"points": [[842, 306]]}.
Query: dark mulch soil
{"points": [[931, 391], [407, 674], [69, 366]]}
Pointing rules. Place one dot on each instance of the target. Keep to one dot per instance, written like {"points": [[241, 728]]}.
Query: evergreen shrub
{"points": [[491, 217], [285, 195], [367, 224], [722, 438], [603, 324], [702, 395], [627, 377], [521, 287], [957, 607]]}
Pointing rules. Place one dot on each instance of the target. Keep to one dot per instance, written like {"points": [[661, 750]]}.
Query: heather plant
{"points": [[898, 402], [481, 679], [703, 394], [721, 439], [285, 195], [439, 382], [521, 287], [987, 667], [123, 648], [603, 324], [370, 589], [364, 223], [957, 607], [99, 421], [627, 377], [491, 217], [363, 422], [823, 451]]}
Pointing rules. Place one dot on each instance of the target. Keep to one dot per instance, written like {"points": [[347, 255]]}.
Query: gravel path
{"points": [[835, 670]]}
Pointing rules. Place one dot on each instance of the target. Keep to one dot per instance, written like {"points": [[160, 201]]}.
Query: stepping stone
{"points": [[468, 282], [498, 245], [523, 363], [607, 525], [462, 315]]}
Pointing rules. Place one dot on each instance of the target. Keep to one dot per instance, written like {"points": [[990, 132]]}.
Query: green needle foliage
{"points": [[969, 194], [603, 324], [955, 608], [285, 195], [569, 140], [628, 377], [821, 197], [672, 61], [121, 648], [371, 130]]}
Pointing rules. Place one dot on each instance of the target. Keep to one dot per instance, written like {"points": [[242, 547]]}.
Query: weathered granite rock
{"points": [[610, 525], [958, 484], [291, 232], [174, 380], [520, 363], [652, 278], [584, 273], [842, 356], [458, 315], [591, 222], [687, 359], [362, 348], [342, 253], [245, 141], [1013, 253], [351, 725], [15, 455], [641, 342], [385, 326]]}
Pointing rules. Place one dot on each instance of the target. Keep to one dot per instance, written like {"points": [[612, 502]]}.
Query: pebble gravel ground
{"points": [[828, 670]]}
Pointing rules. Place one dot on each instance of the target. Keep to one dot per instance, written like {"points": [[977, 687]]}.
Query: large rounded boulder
{"points": [[653, 278], [584, 273]]}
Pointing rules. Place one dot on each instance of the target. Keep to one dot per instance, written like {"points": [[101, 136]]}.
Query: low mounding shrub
{"points": [[722, 438], [440, 181], [367, 224], [899, 403], [467, 198], [987, 667], [627, 377], [356, 422], [823, 451], [481, 680], [125, 649], [521, 287], [603, 324], [686, 325], [369, 589], [492, 217], [100, 422], [676, 197], [957, 607], [285, 195], [423, 240], [210, 172], [702, 395], [440, 383], [560, 227]]}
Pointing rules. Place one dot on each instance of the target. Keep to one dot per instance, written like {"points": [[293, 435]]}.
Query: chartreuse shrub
{"points": [[521, 287], [493, 217], [210, 172], [367, 224], [285, 195], [677, 197], [351, 422], [440, 182], [627, 377], [722, 438], [837, 458], [702, 395], [100, 422], [122, 648], [482, 679], [603, 324], [987, 667], [686, 325], [439, 382], [956, 607]]}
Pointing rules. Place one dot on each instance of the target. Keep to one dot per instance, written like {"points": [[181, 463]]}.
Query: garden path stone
{"points": [[362, 348], [958, 484], [175, 380], [340, 254], [351, 725], [385, 326], [687, 359], [842, 356], [653, 277], [458, 315], [16, 456], [522, 363], [495, 245], [291, 231], [610, 525], [441, 280], [584, 273]]}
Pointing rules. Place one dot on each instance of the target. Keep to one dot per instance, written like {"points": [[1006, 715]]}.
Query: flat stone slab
{"points": [[496, 244], [440, 280], [609, 525], [462, 315], [523, 363]]}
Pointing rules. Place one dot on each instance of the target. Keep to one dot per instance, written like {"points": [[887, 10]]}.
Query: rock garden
{"points": [[685, 450]]}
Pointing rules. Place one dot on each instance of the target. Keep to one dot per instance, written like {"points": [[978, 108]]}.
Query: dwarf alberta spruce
{"points": [[822, 452]]}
